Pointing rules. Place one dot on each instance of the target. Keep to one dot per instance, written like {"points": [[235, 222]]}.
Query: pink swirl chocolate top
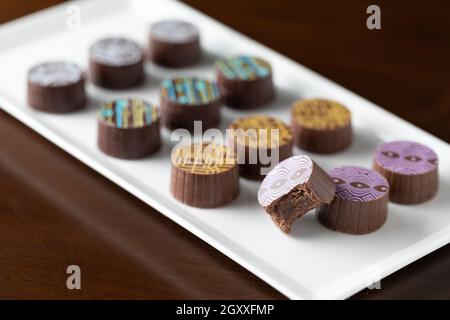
{"points": [[284, 177], [406, 157], [358, 184]]}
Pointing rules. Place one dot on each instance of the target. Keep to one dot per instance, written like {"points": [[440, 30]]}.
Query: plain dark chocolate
{"points": [[56, 87], [116, 63], [174, 44]]}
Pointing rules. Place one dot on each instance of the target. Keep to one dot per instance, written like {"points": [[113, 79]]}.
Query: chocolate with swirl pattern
{"points": [[411, 168], [294, 187], [360, 204]]}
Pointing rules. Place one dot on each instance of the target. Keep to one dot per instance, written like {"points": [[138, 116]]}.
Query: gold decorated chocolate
{"points": [[258, 130], [321, 126], [204, 158], [321, 114], [260, 142], [204, 175]]}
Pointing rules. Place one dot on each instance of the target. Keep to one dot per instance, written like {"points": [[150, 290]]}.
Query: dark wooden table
{"points": [[54, 211]]}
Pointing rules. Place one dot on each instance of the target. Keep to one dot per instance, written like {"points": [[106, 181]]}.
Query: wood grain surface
{"points": [[54, 211]]}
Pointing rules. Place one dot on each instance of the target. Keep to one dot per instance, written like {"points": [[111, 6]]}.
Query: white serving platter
{"points": [[310, 263]]}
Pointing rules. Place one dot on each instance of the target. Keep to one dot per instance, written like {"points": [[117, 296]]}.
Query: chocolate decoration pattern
{"points": [[245, 81], [294, 187], [252, 134], [116, 63], [360, 204], [56, 87], [128, 128], [185, 100], [321, 126], [174, 43], [204, 175], [411, 169]]}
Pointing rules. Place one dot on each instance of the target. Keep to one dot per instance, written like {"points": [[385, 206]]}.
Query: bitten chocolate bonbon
{"points": [[260, 142], [128, 128], [294, 187], [321, 126], [360, 204], [245, 82], [56, 87], [174, 43], [411, 169], [204, 175], [185, 100], [116, 63]]}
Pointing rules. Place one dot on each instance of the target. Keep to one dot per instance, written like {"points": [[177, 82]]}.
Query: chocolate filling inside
{"points": [[292, 206]]}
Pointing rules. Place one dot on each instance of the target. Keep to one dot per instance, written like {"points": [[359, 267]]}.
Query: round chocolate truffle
{"points": [[204, 175], [245, 82], [360, 204], [411, 169], [116, 63], [321, 126], [128, 128], [56, 87], [260, 142], [185, 100], [174, 43], [294, 187]]}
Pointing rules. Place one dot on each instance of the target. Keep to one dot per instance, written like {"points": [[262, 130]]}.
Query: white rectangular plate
{"points": [[312, 262]]}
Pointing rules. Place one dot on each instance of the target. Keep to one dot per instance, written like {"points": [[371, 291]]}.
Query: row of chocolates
{"points": [[349, 199]]}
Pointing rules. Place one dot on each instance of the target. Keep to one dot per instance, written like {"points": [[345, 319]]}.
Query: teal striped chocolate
{"points": [[190, 91], [244, 68]]}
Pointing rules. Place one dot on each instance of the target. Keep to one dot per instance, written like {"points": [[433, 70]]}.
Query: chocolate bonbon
{"points": [[116, 63], [204, 175], [411, 169], [360, 204], [260, 142], [294, 187], [245, 81], [174, 43], [128, 128], [185, 100], [56, 87], [321, 126]]}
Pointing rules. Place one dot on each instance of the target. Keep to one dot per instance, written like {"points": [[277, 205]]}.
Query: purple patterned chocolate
{"points": [[358, 184], [284, 177], [406, 157]]}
